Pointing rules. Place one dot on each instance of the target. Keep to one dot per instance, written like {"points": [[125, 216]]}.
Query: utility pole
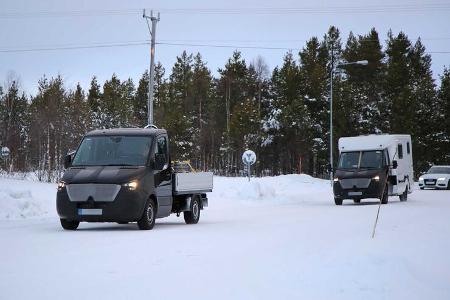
{"points": [[151, 72], [331, 115]]}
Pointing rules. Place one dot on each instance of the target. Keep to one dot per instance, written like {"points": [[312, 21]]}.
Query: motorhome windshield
{"points": [[361, 160], [113, 151]]}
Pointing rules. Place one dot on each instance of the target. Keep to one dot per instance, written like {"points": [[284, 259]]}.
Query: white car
{"points": [[437, 177]]}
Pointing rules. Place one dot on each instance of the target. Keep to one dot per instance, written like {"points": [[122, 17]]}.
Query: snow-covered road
{"points": [[272, 238]]}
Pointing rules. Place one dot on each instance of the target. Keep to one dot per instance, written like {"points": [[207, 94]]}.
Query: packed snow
{"points": [[270, 238]]}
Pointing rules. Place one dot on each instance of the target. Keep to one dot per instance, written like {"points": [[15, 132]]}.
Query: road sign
{"points": [[248, 158], [5, 152]]}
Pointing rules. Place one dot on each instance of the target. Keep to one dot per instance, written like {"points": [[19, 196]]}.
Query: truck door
{"points": [[402, 175], [163, 177]]}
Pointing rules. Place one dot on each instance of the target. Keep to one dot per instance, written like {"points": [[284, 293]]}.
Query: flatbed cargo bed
{"points": [[189, 183]]}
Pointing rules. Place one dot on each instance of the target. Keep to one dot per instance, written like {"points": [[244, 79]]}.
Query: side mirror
{"points": [[160, 161], [67, 161], [394, 164]]}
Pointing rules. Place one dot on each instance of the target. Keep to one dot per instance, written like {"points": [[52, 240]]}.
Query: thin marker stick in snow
{"points": [[376, 220], [378, 212]]}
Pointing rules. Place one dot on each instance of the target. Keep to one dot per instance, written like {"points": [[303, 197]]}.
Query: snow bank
{"points": [[21, 199], [283, 189]]}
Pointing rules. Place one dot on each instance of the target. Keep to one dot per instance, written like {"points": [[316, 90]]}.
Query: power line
{"points": [[37, 49], [398, 8], [146, 42], [227, 46]]}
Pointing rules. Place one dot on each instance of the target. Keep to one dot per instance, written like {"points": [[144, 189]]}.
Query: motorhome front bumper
{"points": [[357, 188], [125, 206]]}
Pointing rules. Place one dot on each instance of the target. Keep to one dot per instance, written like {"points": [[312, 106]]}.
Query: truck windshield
{"points": [[361, 159], [113, 151]]}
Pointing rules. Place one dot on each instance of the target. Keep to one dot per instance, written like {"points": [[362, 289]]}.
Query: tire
{"points": [[337, 201], [357, 200], [448, 185], [385, 197], [147, 220], [69, 225], [193, 215], [422, 188], [404, 197]]}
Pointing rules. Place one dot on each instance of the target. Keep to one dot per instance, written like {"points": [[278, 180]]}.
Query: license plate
{"points": [[354, 193], [90, 211]]}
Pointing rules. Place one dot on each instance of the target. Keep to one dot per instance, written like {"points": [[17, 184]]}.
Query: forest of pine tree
{"points": [[283, 114]]}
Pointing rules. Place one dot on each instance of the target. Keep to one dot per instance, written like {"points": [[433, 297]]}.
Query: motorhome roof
{"points": [[369, 142], [126, 131]]}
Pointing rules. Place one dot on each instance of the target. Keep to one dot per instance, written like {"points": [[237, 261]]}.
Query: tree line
{"points": [[282, 114]]}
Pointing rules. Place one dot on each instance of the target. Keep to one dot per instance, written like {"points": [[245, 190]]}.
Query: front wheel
{"points": [[448, 185], [147, 220], [193, 215], [337, 201], [404, 196], [357, 200], [69, 225]]}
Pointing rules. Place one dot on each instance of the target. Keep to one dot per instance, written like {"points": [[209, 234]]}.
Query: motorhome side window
{"points": [[161, 151], [400, 151]]}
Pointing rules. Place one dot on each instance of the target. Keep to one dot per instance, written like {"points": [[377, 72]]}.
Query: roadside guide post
{"points": [[248, 158]]}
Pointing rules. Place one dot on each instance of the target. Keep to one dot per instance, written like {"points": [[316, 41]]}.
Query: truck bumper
{"points": [[374, 190], [128, 206]]}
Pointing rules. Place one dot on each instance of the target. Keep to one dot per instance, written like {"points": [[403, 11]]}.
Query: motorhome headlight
{"points": [[132, 185], [376, 178], [61, 185], [336, 179], [441, 179]]}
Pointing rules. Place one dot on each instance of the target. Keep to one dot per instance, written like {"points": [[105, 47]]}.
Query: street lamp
{"points": [[333, 69]]}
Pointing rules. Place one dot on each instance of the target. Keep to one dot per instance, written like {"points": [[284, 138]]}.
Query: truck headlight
{"points": [[376, 178], [420, 178], [336, 179], [441, 179], [132, 185], [61, 185]]}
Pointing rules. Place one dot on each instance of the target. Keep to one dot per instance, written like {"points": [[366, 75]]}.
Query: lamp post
{"points": [[333, 69]]}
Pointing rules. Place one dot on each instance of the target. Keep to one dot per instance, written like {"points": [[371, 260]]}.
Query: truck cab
{"points": [[373, 166], [125, 175]]}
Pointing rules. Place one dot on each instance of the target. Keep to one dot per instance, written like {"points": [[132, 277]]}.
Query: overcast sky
{"points": [[28, 25]]}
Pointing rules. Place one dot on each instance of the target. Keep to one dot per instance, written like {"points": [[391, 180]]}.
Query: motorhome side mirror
{"points": [[67, 161], [394, 164]]}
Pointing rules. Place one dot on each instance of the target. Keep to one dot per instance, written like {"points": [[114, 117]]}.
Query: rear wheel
{"points": [[147, 220], [384, 197], [357, 200], [337, 201], [193, 215], [404, 196], [69, 225]]}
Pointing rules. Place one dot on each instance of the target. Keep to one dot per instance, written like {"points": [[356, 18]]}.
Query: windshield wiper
{"points": [[120, 165]]}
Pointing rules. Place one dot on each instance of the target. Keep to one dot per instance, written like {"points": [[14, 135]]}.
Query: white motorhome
{"points": [[374, 166]]}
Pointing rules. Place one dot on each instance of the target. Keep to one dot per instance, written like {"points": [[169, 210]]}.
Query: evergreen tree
{"points": [[177, 120], [14, 125], [232, 88], [93, 99], [444, 119]]}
